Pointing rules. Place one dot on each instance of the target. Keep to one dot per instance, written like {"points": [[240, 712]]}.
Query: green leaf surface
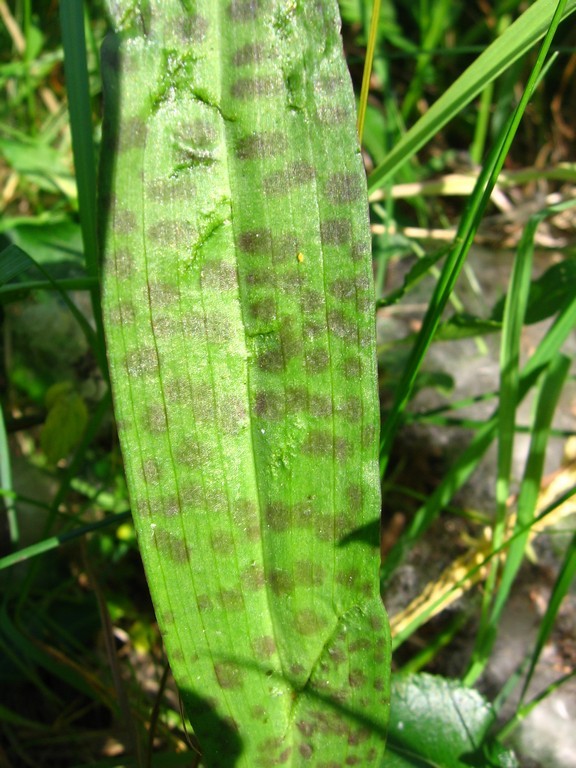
{"points": [[40, 164], [441, 723], [464, 325], [547, 294], [238, 304], [65, 423], [54, 243], [13, 261]]}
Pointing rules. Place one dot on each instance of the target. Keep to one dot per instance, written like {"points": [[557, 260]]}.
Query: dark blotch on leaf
{"points": [[253, 578], [317, 360], [308, 574], [318, 443], [170, 546], [229, 675], [329, 115], [285, 248], [249, 88], [162, 294], [155, 419], [231, 599], [198, 133], [352, 367], [360, 250], [204, 603], [343, 289], [172, 232], [192, 28], [132, 134], [162, 190], [354, 496], [282, 181], [320, 406], [256, 241], [244, 10], [271, 360], [249, 54], [277, 515], [219, 275], [281, 581], [141, 362], [261, 145], [344, 188], [263, 310], [264, 647], [125, 222], [124, 263], [222, 542], [368, 436], [268, 405], [309, 622], [336, 231], [151, 471]]}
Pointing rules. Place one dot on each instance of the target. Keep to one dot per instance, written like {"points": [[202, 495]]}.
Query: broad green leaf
{"points": [[548, 293], [13, 261], [464, 325], [65, 423], [40, 164], [442, 724], [238, 305]]}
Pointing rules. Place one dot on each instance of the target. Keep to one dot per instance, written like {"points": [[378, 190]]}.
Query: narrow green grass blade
{"points": [[78, 89], [462, 469], [365, 90], [516, 41], [238, 305], [6, 484], [73, 39], [54, 542], [15, 261], [547, 400], [450, 272], [512, 324], [561, 588]]}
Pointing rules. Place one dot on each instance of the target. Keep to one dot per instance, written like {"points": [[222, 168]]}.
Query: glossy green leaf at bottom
{"points": [[440, 723]]}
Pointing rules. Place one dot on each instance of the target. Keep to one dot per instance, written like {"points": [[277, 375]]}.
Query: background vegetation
{"points": [[82, 674]]}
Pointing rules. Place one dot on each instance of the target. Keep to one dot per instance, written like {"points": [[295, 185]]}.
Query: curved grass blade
{"points": [[238, 305], [518, 38]]}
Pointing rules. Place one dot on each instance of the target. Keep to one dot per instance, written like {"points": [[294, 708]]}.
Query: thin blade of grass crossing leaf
{"points": [[54, 542], [548, 395], [559, 591], [466, 231], [516, 41], [239, 310], [14, 261], [6, 483], [467, 462], [78, 88], [512, 324]]}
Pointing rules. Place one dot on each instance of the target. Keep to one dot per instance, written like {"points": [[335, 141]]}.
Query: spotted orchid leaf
{"points": [[238, 306]]}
